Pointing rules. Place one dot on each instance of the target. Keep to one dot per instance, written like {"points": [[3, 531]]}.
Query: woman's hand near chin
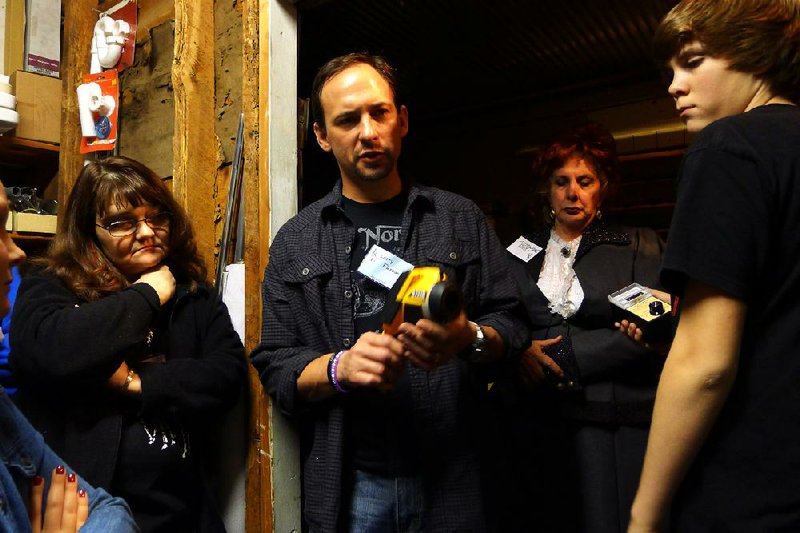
{"points": [[161, 279]]}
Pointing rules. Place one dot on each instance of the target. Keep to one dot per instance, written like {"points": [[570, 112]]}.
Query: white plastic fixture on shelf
{"points": [[91, 101], [9, 101], [109, 38], [8, 119]]}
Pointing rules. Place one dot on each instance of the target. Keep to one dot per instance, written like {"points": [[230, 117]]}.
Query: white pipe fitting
{"points": [[91, 101], [109, 37]]}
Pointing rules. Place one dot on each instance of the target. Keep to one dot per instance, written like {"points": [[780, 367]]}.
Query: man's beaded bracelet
{"points": [[333, 364]]}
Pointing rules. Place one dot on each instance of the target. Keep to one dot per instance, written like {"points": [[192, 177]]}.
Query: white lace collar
{"points": [[558, 281]]}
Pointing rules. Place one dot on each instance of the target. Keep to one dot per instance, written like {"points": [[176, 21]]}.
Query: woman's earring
{"points": [[551, 215], [599, 215]]}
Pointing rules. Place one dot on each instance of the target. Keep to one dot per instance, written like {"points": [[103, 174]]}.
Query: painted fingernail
{"points": [[71, 477], [38, 480], [81, 493], [60, 469]]}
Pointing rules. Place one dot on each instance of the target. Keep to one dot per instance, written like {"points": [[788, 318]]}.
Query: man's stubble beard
{"points": [[377, 174]]}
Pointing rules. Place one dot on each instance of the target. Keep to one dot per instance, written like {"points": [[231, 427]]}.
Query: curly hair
{"points": [[591, 142], [760, 37], [76, 257]]}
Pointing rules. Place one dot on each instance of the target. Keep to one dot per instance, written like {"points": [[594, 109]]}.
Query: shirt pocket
{"points": [[307, 278], [460, 261]]}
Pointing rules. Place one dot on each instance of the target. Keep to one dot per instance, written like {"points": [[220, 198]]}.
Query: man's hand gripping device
{"points": [[422, 292]]}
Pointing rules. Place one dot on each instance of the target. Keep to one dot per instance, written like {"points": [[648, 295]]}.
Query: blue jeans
{"points": [[386, 504]]}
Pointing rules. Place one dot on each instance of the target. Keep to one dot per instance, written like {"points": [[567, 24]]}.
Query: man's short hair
{"points": [[337, 65], [760, 37]]}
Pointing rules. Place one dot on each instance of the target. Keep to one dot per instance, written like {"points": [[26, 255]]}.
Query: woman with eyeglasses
{"points": [[124, 357]]}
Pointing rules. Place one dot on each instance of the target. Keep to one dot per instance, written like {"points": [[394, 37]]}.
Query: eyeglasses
{"points": [[128, 226]]}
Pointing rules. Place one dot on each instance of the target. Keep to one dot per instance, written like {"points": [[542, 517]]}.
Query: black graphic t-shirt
{"points": [[379, 437]]}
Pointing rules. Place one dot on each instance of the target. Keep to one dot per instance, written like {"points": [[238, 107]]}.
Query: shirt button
{"points": [[348, 294], [305, 271], [453, 255], [346, 342], [347, 249]]}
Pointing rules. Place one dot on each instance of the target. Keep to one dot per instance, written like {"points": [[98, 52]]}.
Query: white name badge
{"points": [[382, 267], [524, 249]]}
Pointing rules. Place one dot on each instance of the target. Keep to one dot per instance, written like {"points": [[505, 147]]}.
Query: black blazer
{"points": [[614, 370]]}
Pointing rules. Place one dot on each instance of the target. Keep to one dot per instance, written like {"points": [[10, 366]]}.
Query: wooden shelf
{"points": [[637, 209], [31, 236], [28, 163], [645, 156], [16, 145]]}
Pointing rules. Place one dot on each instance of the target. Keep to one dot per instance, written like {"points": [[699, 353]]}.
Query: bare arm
{"points": [[697, 377]]}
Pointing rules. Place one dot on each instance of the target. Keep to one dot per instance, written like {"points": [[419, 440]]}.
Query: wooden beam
{"points": [[79, 21], [195, 143], [258, 486], [152, 13]]}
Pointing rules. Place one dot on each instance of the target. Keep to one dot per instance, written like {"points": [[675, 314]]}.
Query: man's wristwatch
{"points": [[480, 339], [128, 380]]}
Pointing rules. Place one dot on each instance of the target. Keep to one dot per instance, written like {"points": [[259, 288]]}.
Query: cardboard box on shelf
{"points": [[14, 36], [38, 105], [35, 223], [43, 37]]}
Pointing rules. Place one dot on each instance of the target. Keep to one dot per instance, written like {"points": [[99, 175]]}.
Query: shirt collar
{"points": [[331, 204], [596, 233]]}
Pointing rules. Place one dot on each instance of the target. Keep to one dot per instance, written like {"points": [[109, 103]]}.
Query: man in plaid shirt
{"points": [[386, 428]]}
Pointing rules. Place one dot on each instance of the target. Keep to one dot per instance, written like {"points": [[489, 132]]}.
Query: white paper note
{"points": [[383, 267], [524, 249]]}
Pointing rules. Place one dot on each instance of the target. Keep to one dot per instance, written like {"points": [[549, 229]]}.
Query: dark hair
{"points": [[76, 256], [339, 64], [760, 37], [590, 141]]}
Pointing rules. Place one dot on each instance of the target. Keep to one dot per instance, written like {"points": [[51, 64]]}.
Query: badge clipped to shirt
{"points": [[524, 249], [382, 267]]}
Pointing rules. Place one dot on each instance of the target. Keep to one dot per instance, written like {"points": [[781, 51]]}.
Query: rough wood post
{"points": [[79, 20], [258, 488], [195, 143]]}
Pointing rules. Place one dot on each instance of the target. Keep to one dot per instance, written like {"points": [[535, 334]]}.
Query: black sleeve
{"points": [[718, 232], [58, 339], [191, 384], [604, 353], [282, 355], [500, 302]]}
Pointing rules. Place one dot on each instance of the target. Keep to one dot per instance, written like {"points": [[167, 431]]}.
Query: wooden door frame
{"points": [[270, 102]]}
